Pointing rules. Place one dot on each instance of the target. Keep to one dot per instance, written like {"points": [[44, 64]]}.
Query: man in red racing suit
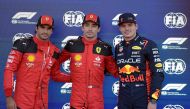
{"points": [[31, 60], [89, 58]]}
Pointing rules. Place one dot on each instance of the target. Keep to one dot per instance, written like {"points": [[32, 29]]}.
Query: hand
{"points": [[151, 105], [10, 103]]}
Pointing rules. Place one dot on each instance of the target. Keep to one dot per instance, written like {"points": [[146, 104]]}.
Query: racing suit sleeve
{"points": [[155, 65], [12, 64], [56, 73], [110, 63]]}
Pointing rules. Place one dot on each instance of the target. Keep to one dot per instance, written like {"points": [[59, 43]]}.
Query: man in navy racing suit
{"points": [[140, 67]]}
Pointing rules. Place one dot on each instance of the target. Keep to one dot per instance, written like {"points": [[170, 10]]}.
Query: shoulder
{"points": [[74, 45], [22, 44], [102, 48], [56, 49], [74, 42], [149, 41], [119, 44], [149, 44], [104, 44]]}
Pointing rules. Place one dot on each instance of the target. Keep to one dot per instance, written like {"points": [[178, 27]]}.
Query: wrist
{"points": [[9, 97], [153, 101]]}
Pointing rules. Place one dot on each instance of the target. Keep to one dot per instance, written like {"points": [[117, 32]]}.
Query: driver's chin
{"points": [[44, 37], [89, 36], [127, 35]]}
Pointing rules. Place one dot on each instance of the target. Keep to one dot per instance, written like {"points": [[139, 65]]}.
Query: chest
{"points": [[131, 54], [39, 58]]}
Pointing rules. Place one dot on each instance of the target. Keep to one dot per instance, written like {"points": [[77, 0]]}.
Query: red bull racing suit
{"points": [[31, 60], [140, 73], [88, 62]]}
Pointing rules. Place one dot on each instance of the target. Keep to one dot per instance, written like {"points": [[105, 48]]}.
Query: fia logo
{"points": [[66, 106], [175, 20], [115, 88], [171, 106], [174, 66], [73, 18]]}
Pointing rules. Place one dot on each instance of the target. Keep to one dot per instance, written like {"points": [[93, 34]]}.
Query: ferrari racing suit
{"points": [[31, 60], [89, 59]]}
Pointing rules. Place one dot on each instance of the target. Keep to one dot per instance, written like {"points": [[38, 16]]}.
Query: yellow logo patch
{"points": [[136, 48], [31, 58], [98, 49], [158, 65], [78, 57], [156, 94]]}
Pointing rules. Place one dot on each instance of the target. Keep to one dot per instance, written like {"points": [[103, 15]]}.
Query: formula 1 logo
{"points": [[117, 40], [173, 43], [23, 18], [175, 20], [175, 40], [66, 88], [173, 89], [116, 19], [172, 86], [170, 106], [66, 106], [115, 88], [73, 18], [116, 107], [26, 15], [174, 66]]}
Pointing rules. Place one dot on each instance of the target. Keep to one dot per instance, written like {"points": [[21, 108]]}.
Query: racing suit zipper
{"points": [[87, 75], [40, 87], [88, 87]]}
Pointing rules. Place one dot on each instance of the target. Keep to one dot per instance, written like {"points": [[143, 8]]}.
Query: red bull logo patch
{"points": [[132, 78], [128, 69]]}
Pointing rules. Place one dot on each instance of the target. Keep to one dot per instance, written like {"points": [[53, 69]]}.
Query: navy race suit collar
{"points": [[133, 40]]}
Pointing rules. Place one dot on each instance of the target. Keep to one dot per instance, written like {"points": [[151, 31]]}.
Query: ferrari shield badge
{"points": [[98, 49]]}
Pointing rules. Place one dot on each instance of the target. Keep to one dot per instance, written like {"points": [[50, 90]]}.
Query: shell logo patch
{"points": [[78, 57], [31, 58], [136, 48]]}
